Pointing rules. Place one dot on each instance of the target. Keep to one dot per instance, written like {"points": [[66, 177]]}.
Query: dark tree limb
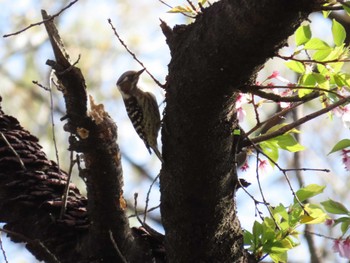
{"points": [[94, 134], [31, 186], [30, 198], [222, 50]]}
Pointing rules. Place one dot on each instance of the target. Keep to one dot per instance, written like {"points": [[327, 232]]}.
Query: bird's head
{"points": [[127, 82]]}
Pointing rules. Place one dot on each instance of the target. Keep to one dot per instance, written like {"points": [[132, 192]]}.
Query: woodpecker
{"points": [[142, 109]]}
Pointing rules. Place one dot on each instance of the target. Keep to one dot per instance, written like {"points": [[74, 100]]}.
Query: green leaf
{"points": [[338, 32], [345, 143], [279, 247], [302, 35], [309, 191], [335, 207], [257, 230], [202, 2], [344, 226], [326, 13], [315, 215], [248, 237], [306, 80], [316, 44], [322, 55], [296, 66], [346, 7], [321, 80], [279, 257], [289, 143], [342, 79], [270, 148]]}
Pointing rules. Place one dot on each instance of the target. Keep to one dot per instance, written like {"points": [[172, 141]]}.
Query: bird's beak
{"points": [[140, 72]]}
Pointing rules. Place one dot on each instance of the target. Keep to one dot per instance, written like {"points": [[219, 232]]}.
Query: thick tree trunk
{"points": [[211, 59]]}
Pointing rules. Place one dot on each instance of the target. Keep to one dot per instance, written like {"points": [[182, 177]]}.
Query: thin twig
{"points": [[43, 21], [262, 193], [69, 68], [147, 197], [255, 107], [312, 60], [135, 208], [3, 250], [133, 54], [121, 256], [53, 126], [307, 169], [256, 202], [277, 115], [284, 173], [13, 150], [297, 123], [33, 242], [255, 88], [192, 5], [149, 210], [320, 235], [52, 118], [66, 188], [165, 4]]}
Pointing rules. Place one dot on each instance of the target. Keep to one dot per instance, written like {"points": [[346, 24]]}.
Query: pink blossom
{"points": [[329, 222], [262, 165], [241, 113], [337, 247], [241, 100], [342, 247], [274, 74], [284, 93], [346, 247], [346, 159], [244, 167]]}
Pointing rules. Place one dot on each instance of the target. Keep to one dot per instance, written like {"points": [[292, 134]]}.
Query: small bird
{"points": [[142, 109]]}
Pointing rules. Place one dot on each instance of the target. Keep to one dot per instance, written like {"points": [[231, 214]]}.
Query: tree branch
{"points": [[295, 124], [94, 135]]}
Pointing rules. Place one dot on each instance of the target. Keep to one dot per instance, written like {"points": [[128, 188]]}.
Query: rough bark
{"points": [[212, 59], [30, 198]]}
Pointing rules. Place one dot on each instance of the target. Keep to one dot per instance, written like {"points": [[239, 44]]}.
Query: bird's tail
{"points": [[159, 155]]}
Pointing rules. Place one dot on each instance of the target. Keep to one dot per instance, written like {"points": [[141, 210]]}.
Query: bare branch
{"points": [[66, 189], [133, 54], [33, 242], [278, 115], [311, 60], [147, 198], [3, 250], [295, 124], [43, 21], [115, 245]]}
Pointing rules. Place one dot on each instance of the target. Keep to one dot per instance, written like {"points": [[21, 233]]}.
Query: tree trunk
{"points": [[211, 59]]}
